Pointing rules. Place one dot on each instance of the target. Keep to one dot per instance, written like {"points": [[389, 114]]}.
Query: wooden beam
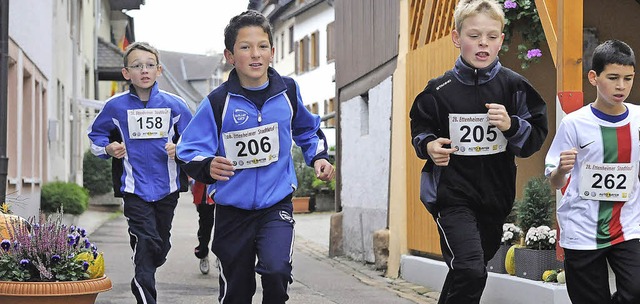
{"points": [[569, 67], [548, 12]]}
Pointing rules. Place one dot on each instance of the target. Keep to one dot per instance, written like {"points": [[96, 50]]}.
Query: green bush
{"points": [[72, 198], [304, 174], [96, 174], [537, 205]]}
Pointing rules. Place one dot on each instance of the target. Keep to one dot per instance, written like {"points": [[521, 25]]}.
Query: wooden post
{"points": [[569, 65]]}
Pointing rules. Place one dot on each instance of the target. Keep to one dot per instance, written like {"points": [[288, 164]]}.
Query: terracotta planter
{"points": [[301, 204], [76, 292]]}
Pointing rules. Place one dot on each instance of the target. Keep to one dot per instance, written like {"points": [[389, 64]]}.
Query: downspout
{"points": [[4, 76], [74, 117], [97, 16]]}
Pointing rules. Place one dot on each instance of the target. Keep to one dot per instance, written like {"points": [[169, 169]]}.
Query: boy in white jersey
{"points": [[595, 154]]}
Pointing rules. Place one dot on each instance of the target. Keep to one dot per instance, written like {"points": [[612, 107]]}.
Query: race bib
{"points": [[251, 148], [607, 182], [149, 123], [472, 135]]}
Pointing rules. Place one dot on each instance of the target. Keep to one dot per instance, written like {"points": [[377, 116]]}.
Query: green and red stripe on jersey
{"points": [[616, 144]]}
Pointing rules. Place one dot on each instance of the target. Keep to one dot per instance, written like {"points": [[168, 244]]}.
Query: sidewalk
{"points": [[312, 244]]}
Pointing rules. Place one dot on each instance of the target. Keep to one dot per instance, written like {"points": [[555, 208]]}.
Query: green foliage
{"points": [[537, 206], [70, 197], [524, 19], [96, 174], [320, 185], [45, 252], [304, 174]]}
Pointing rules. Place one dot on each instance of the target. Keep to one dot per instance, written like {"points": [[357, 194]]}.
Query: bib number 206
{"points": [[253, 147]]}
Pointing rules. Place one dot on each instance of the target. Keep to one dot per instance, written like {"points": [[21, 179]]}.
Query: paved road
{"points": [[317, 279]]}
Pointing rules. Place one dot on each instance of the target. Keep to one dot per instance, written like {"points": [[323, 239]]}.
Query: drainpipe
{"points": [[4, 76]]}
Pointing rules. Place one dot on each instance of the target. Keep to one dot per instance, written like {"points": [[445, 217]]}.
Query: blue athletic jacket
{"points": [[226, 109], [147, 170]]}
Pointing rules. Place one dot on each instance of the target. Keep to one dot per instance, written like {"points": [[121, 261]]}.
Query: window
{"points": [[314, 48], [302, 55], [364, 114], [331, 49], [282, 45], [329, 108], [275, 58], [291, 42]]}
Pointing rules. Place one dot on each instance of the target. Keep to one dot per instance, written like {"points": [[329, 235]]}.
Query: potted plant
{"points": [[536, 216], [45, 261], [511, 235], [305, 176]]}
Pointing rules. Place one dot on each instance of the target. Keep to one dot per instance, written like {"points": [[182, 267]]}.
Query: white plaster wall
{"points": [[365, 169], [30, 27], [316, 85], [286, 65]]}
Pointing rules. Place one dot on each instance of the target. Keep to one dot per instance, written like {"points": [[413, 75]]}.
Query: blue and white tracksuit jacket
{"points": [[148, 172], [226, 109]]}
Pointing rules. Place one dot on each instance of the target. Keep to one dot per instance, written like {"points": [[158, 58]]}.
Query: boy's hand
{"points": [[438, 153], [116, 149], [498, 116], [171, 150], [324, 170], [221, 169], [567, 160]]}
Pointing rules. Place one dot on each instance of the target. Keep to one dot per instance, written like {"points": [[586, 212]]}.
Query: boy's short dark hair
{"points": [[140, 45], [245, 19], [612, 52]]}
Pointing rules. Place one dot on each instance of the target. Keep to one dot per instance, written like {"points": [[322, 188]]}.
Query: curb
{"points": [[367, 274]]}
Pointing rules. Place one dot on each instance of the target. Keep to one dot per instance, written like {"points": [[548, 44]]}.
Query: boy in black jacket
{"points": [[470, 124]]}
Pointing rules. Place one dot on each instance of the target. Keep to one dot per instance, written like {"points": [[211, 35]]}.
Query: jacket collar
{"points": [[154, 90], [471, 76], [276, 84]]}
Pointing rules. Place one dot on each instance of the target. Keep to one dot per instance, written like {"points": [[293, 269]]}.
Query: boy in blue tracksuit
{"points": [[139, 128], [239, 142]]}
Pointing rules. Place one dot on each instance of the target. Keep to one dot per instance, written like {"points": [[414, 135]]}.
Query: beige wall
{"points": [[26, 132]]}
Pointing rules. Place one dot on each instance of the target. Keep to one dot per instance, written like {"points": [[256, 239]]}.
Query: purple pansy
{"points": [[6, 245]]}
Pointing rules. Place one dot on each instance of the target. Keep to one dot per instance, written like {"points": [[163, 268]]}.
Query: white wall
{"points": [[316, 85], [365, 168], [30, 27], [287, 65]]}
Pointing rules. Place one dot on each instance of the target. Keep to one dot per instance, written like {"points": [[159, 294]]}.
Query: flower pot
{"points": [[496, 264], [531, 263], [301, 204], [76, 292]]}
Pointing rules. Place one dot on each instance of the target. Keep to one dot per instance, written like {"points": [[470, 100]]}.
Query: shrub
{"points": [[96, 174], [537, 206], [72, 198], [304, 174]]}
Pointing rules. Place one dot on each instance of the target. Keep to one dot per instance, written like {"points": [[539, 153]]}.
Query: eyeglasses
{"points": [[139, 67]]}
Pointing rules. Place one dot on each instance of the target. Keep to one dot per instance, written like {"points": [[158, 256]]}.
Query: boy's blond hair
{"points": [[470, 8], [139, 45]]}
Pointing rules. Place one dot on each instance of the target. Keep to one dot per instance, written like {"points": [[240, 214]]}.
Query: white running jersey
{"points": [[604, 209]]}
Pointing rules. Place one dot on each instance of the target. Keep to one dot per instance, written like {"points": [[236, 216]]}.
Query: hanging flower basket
{"points": [[64, 292]]}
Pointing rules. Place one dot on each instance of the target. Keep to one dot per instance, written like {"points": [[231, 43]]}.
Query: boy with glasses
{"points": [[139, 129]]}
